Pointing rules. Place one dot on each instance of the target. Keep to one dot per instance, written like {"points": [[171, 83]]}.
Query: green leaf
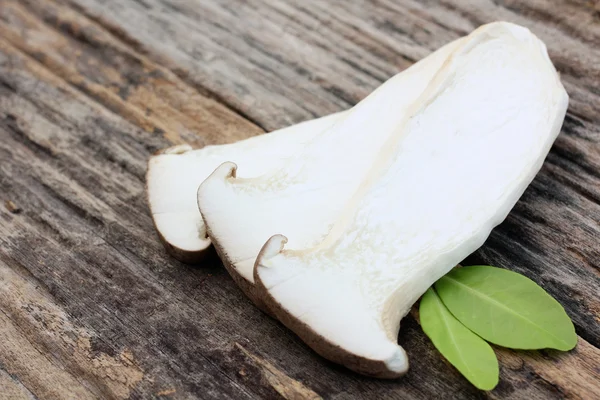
{"points": [[506, 308], [469, 353]]}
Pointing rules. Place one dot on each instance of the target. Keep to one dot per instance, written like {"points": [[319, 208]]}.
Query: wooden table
{"points": [[91, 306]]}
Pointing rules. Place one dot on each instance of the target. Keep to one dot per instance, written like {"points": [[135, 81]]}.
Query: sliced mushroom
{"points": [[306, 195], [174, 176], [460, 159]]}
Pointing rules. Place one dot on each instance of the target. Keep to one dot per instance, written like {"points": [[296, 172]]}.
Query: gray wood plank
{"points": [[90, 88]]}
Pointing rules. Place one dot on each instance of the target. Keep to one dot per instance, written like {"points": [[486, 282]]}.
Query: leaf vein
{"points": [[452, 337]]}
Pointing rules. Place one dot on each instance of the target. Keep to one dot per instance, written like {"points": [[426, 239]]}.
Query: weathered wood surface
{"points": [[90, 304]]}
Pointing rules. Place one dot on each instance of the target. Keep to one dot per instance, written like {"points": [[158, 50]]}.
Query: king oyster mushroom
{"points": [[306, 193], [395, 194], [473, 142], [174, 175]]}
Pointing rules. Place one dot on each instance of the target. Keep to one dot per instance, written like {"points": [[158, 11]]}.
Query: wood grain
{"points": [[92, 307]]}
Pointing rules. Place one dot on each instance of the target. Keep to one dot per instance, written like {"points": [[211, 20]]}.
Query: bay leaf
{"points": [[470, 354], [506, 308]]}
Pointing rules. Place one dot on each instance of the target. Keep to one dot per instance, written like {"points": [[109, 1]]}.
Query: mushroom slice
{"points": [[307, 193], [174, 175], [457, 165]]}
